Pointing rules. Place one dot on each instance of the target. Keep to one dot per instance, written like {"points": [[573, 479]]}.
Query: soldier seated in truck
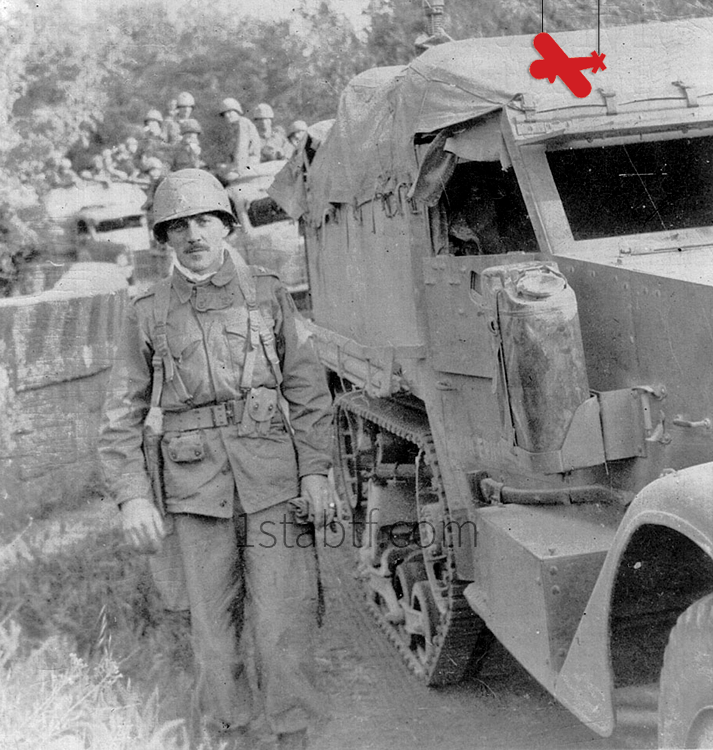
{"points": [[473, 225], [481, 212]]}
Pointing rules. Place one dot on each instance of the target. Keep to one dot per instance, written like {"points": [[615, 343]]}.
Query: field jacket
{"points": [[244, 147], [207, 332]]}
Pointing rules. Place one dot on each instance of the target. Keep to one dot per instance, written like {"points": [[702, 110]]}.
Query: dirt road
{"points": [[377, 704]]}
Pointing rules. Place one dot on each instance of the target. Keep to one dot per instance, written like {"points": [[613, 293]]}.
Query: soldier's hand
{"points": [[144, 529], [316, 490]]}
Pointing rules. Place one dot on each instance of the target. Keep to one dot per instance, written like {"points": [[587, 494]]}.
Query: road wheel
{"points": [[422, 602], [686, 698]]}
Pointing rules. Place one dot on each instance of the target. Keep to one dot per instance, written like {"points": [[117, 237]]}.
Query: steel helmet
{"points": [[263, 112], [298, 126], [153, 162], [190, 126], [153, 114], [189, 192], [230, 105], [184, 99]]}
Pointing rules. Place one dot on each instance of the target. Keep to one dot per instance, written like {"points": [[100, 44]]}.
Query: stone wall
{"points": [[56, 349]]}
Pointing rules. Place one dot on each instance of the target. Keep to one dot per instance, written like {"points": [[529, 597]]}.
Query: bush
{"points": [[86, 650], [54, 700]]}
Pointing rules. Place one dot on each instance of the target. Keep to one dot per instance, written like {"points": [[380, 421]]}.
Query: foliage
{"points": [[86, 649], [18, 242], [325, 54], [55, 700], [52, 79], [97, 597], [299, 68], [63, 86], [16, 238]]}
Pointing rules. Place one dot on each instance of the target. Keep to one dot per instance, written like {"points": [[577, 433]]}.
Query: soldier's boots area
{"points": [[244, 740], [292, 740]]}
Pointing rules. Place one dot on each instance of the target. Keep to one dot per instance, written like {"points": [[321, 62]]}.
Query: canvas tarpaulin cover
{"points": [[370, 150]]}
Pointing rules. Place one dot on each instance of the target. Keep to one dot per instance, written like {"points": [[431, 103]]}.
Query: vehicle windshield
{"points": [[121, 222], [612, 191]]}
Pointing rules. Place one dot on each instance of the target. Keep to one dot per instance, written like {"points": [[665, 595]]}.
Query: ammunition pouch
{"points": [[260, 408]]}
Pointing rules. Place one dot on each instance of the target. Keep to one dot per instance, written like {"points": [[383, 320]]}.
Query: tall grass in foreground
{"points": [[88, 657]]}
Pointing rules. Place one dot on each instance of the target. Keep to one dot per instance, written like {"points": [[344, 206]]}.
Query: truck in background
{"points": [[103, 223]]}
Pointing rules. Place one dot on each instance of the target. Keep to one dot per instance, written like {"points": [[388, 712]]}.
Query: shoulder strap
{"points": [[154, 418], [162, 300], [247, 287], [259, 334]]}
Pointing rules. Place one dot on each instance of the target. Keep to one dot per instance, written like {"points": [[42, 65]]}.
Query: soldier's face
{"points": [[198, 241], [296, 138]]}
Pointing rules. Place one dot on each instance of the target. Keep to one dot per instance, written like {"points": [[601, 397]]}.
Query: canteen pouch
{"points": [[260, 408]]}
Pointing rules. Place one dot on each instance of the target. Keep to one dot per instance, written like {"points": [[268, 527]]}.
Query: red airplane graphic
{"points": [[555, 63]]}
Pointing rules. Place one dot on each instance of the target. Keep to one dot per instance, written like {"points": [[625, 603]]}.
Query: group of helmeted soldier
{"points": [[173, 141], [250, 141]]}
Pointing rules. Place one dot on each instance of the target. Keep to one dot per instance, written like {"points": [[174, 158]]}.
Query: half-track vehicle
{"points": [[512, 291]]}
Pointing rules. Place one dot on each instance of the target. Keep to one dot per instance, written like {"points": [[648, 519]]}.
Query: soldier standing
{"points": [[152, 143], [273, 144], [185, 104], [219, 355], [296, 132], [244, 146], [170, 129], [187, 153], [154, 170]]}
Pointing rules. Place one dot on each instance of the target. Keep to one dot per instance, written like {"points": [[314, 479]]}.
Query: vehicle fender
{"points": [[680, 500]]}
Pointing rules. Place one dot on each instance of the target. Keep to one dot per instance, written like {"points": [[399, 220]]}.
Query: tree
{"points": [[17, 241], [63, 82], [298, 67], [325, 53]]}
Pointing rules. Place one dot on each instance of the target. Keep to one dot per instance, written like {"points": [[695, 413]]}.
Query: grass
{"points": [[88, 657], [16, 519]]}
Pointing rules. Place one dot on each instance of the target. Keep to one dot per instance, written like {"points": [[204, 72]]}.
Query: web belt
{"points": [[204, 417]]}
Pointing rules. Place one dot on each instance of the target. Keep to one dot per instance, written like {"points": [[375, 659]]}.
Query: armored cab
{"points": [[512, 291]]}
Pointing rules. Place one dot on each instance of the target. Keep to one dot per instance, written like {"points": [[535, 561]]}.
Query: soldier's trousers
{"points": [[252, 589]]}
